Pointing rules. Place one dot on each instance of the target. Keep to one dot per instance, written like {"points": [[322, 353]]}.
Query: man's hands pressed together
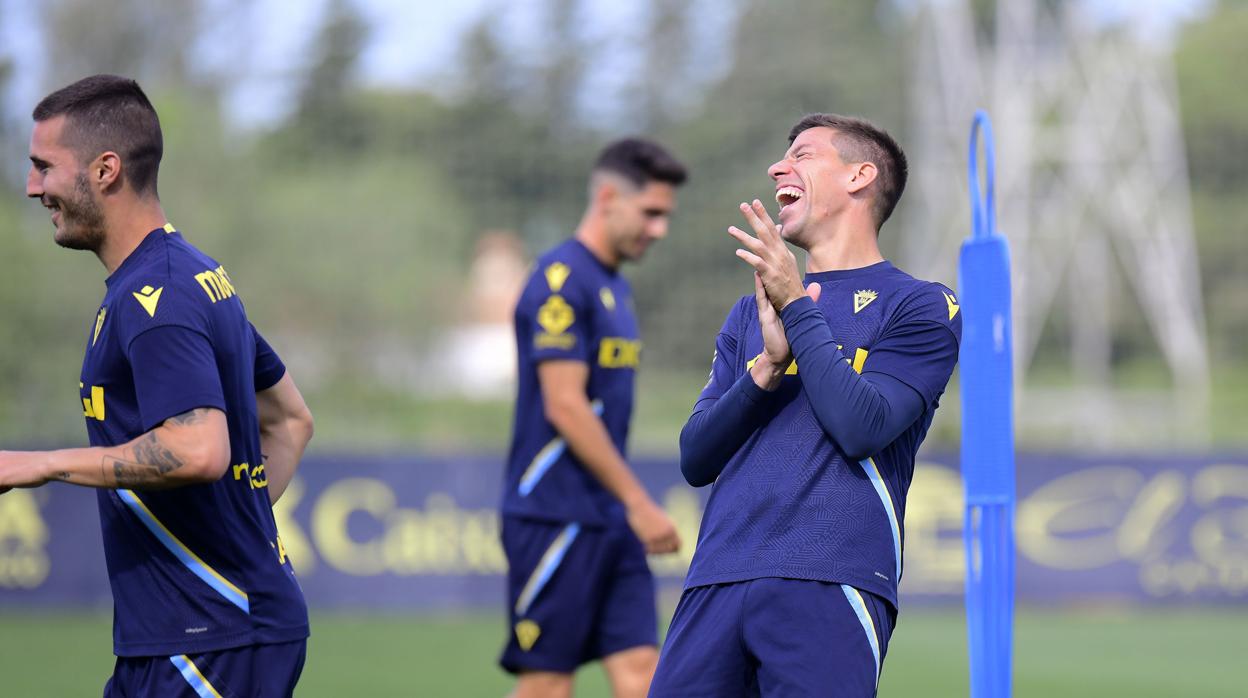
{"points": [[777, 282]]}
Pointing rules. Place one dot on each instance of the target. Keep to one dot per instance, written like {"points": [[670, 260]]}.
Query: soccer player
{"points": [[195, 426], [576, 523], [817, 401]]}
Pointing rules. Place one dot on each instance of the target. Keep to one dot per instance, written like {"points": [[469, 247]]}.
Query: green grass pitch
{"points": [[1068, 653]]}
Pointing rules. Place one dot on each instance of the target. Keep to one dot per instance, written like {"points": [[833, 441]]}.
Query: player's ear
{"points": [[105, 171], [862, 174]]}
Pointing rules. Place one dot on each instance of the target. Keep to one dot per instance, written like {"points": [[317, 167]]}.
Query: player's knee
{"points": [[543, 684], [630, 672]]}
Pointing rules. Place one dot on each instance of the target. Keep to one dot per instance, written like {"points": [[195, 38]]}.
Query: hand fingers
{"points": [[751, 217], [814, 290], [750, 242], [761, 211], [750, 258]]}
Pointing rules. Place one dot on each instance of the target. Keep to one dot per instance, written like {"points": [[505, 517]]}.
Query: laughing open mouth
{"points": [[786, 196]]}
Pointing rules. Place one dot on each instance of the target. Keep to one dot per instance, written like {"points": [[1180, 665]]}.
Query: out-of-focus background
{"points": [[377, 175]]}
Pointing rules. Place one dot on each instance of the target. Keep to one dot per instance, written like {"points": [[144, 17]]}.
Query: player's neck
{"points": [[126, 227], [844, 245], [592, 233]]}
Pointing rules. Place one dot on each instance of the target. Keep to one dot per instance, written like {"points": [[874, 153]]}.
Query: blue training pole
{"points": [[987, 433]]}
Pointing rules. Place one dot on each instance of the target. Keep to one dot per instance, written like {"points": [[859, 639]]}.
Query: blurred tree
{"points": [[663, 86], [790, 58], [148, 41], [324, 104], [1209, 55]]}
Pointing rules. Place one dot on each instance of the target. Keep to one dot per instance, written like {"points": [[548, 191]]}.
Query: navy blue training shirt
{"points": [[790, 502], [574, 308], [198, 568]]}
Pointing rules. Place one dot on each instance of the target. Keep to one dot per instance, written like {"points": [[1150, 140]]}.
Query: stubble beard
{"points": [[82, 219]]}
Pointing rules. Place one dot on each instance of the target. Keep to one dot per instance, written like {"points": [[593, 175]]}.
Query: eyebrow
{"points": [[38, 161]]}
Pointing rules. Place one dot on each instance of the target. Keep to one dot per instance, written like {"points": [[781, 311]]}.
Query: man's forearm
{"points": [[282, 445], [174, 454], [714, 434], [589, 441], [860, 415]]}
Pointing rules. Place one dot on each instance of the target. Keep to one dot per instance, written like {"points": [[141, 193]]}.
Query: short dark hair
{"points": [[858, 140], [641, 161], [108, 112]]}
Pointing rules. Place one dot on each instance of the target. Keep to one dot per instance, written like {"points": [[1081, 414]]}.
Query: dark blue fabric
{"points": [[257, 670], [573, 308], [597, 601], [269, 366], [771, 637], [172, 335], [815, 484], [862, 413]]}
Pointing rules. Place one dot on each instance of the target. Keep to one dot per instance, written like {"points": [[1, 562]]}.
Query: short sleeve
{"points": [[175, 371], [920, 347], [269, 366], [558, 323], [725, 360]]}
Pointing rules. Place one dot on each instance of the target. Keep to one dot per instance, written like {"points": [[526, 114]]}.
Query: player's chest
{"points": [[856, 315], [106, 377], [615, 334]]}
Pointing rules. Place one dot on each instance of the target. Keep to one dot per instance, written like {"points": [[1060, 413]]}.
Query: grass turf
{"points": [[1068, 653]]}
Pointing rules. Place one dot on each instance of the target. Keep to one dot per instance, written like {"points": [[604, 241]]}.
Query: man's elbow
{"points": [[305, 425], [205, 462], [696, 474], [858, 449], [559, 411], [692, 465]]}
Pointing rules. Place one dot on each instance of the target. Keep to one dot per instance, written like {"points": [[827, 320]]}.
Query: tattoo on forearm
{"points": [[153, 461]]}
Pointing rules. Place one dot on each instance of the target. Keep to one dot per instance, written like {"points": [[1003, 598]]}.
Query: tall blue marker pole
{"points": [[987, 432]]}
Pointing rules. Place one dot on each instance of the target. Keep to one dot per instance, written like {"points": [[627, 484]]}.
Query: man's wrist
{"points": [[767, 373]]}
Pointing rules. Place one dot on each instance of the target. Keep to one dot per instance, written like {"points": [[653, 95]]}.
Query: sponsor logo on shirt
{"points": [[857, 362], [618, 352], [555, 317], [216, 283], [93, 403]]}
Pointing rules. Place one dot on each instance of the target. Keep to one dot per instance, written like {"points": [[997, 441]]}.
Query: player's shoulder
{"points": [[922, 300], [173, 284], [565, 270]]}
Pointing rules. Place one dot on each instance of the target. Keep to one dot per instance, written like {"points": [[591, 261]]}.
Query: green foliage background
{"points": [[348, 224]]}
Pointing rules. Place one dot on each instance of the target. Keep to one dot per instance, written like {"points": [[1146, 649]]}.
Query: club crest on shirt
{"points": [[556, 275], [527, 633], [99, 325], [863, 298], [608, 298], [149, 297]]}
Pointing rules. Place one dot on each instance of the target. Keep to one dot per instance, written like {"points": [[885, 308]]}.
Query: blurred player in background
{"points": [[195, 426], [818, 399], [576, 522]]}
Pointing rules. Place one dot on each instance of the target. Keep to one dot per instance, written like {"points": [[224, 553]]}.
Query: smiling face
{"points": [[63, 186], [811, 183]]}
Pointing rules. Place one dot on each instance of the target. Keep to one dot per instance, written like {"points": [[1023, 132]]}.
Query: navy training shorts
{"points": [[253, 671], [575, 593], [775, 638]]}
